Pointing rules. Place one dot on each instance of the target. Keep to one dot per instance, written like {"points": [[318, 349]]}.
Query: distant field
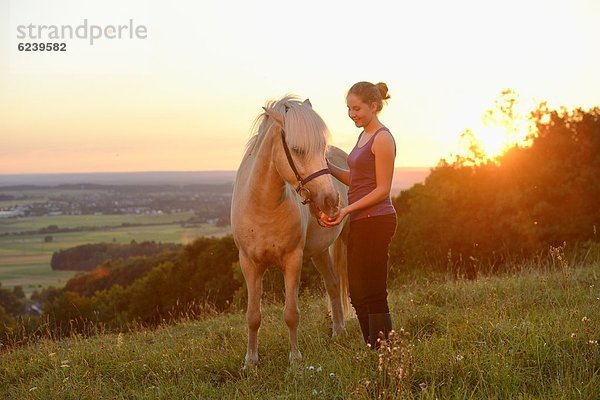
{"points": [[75, 221], [25, 259], [32, 276]]}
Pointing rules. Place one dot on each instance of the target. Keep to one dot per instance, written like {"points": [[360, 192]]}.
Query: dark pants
{"points": [[368, 254]]}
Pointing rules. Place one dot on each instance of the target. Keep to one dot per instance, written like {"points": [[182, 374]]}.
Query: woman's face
{"points": [[358, 111]]}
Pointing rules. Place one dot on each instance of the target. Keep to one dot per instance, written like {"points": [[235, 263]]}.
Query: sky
{"points": [[183, 98]]}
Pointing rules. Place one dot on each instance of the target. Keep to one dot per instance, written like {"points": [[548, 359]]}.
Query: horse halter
{"points": [[301, 189]]}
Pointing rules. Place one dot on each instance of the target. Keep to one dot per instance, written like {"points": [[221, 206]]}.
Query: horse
{"points": [[271, 224]]}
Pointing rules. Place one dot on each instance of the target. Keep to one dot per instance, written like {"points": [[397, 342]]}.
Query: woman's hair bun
{"points": [[383, 89]]}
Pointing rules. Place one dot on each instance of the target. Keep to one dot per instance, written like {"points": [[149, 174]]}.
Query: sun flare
{"points": [[492, 141], [501, 128]]}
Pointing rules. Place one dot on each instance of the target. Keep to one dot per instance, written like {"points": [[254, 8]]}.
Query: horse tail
{"points": [[340, 262]]}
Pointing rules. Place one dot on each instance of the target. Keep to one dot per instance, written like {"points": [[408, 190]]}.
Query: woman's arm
{"points": [[342, 175], [384, 150]]}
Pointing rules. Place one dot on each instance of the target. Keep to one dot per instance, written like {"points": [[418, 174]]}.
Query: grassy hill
{"points": [[530, 336]]}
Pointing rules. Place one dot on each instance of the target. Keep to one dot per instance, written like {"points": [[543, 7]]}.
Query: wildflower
{"points": [[459, 357], [593, 342], [573, 335], [311, 368], [331, 375], [399, 372], [423, 385], [585, 319], [319, 368]]}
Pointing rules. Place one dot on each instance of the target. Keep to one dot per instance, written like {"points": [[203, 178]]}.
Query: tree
{"points": [[470, 217]]}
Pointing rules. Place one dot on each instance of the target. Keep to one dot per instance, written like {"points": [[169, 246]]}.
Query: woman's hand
{"points": [[331, 222]]}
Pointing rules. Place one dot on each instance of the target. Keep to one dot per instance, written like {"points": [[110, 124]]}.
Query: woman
{"points": [[372, 215]]}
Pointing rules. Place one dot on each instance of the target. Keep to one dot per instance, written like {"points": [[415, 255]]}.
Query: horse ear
{"points": [[275, 115], [307, 102]]}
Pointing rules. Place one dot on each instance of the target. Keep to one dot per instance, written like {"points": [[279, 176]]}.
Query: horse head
{"points": [[299, 154]]}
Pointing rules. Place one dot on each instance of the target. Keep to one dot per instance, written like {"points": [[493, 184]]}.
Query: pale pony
{"points": [[271, 226]]}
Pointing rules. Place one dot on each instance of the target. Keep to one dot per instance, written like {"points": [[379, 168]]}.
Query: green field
{"points": [[532, 335], [76, 221], [25, 259]]}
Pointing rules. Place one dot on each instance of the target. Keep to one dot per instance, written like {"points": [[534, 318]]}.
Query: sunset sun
{"points": [[507, 124], [494, 141]]}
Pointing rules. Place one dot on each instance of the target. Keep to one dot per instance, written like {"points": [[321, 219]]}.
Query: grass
{"points": [[527, 336]]}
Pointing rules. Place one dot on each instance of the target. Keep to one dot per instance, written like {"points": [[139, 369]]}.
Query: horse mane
{"points": [[305, 130]]}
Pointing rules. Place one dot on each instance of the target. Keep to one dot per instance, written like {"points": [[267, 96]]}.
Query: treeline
{"points": [[150, 289], [12, 304], [146, 290], [475, 216], [88, 256]]}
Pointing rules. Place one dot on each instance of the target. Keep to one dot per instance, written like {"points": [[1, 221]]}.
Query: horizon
{"points": [[183, 97], [404, 178], [157, 171]]}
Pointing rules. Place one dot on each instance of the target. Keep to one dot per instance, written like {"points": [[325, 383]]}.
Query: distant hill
{"points": [[404, 178], [121, 178]]}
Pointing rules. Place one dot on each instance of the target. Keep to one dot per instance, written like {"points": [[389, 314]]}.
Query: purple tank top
{"points": [[361, 161]]}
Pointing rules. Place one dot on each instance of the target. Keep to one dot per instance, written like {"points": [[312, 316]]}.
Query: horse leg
{"points": [[324, 265], [253, 274], [291, 311]]}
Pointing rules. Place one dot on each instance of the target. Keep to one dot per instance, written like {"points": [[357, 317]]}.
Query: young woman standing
{"points": [[372, 215]]}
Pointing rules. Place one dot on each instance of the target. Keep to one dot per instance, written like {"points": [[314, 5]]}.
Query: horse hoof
{"points": [[250, 363], [295, 359], [338, 332], [249, 369]]}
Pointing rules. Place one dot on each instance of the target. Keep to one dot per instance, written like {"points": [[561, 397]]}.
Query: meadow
{"points": [[25, 258], [528, 335], [89, 221]]}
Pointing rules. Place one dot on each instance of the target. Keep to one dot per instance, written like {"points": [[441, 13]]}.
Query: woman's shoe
{"points": [[380, 326]]}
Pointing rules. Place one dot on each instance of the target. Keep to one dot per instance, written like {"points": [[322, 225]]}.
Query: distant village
{"points": [[209, 203]]}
